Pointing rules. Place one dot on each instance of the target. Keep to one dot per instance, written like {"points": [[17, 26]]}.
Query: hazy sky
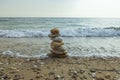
{"points": [[60, 8]]}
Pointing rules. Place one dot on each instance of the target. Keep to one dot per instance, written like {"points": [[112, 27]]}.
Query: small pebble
{"points": [[93, 75], [107, 76], [92, 70]]}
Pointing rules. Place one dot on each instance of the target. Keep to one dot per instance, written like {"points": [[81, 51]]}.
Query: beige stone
{"points": [[54, 31]]}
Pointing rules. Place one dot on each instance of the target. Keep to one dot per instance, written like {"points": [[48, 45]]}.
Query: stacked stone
{"points": [[56, 44]]}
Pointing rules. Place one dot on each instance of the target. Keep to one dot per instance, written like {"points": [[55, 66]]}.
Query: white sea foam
{"points": [[71, 53], [102, 55], [73, 32]]}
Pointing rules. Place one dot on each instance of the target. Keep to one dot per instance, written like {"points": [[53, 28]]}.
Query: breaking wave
{"points": [[73, 32]]}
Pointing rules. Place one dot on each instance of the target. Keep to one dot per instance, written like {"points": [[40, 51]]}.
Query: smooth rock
{"points": [[93, 75], [57, 77]]}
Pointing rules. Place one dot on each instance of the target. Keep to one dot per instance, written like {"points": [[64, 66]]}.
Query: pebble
{"points": [[59, 64], [42, 63], [51, 72], [1, 63], [84, 77], [35, 66], [107, 76], [38, 76], [5, 77], [118, 72], [17, 70], [18, 77], [28, 59], [1, 73], [81, 71], [99, 78], [13, 68], [118, 78], [93, 75], [92, 70], [1, 68], [58, 77]]}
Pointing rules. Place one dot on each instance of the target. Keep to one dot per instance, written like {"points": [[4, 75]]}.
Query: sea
{"points": [[83, 37]]}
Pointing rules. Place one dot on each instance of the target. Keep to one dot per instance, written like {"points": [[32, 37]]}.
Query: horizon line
{"points": [[51, 17]]}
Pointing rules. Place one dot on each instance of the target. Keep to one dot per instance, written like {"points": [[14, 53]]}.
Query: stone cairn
{"points": [[56, 44]]}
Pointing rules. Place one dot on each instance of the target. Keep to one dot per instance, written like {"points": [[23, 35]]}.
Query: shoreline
{"points": [[85, 47], [70, 68]]}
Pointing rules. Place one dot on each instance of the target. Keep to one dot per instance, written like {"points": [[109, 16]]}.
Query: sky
{"points": [[60, 8]]}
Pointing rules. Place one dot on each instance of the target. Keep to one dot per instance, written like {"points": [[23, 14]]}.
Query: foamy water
{"points": [[66, 32]]}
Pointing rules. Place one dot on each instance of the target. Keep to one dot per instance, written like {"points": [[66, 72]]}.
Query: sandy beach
{"points": [[70, 68]]}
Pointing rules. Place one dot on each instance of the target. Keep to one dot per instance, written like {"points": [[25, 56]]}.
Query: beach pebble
{"points": [[74, 72], [17, 70], [18, 77], [28, 60], [1, 63], [107, 76], [1, 74], [35, 66], [118, 72], [12, 68], [1, 68], [58, 77], [118, 79], [42, 63], [93, 75], [99, 78], [51, 72], [59, 64], [84, 77], [5, 77], [38, 76], [92, 70], [81, 71]]}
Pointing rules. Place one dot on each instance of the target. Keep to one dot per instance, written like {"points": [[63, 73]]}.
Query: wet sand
{"points": [[70, 68], [26, 46]]}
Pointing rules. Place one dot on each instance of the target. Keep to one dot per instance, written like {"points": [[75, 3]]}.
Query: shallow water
{"points": [[75, 46]]}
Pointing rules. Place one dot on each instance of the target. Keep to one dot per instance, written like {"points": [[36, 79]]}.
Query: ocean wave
{"points": [[66, 32]]}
